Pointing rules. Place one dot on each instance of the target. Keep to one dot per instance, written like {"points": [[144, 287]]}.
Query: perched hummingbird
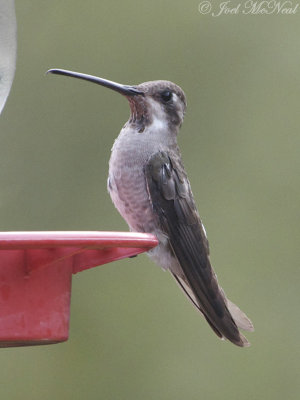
{"points": [[149, 186]]}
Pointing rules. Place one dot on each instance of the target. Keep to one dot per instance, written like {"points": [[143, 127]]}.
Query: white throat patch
{"points": [[159, 116]]}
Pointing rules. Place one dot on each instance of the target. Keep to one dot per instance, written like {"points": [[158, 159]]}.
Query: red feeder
{"points": [[35, 278]]}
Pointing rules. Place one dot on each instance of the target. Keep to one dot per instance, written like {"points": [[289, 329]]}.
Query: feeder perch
{"points": [[35, 278]]}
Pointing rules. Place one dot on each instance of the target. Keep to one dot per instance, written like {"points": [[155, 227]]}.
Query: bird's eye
{"points": [[166, 95]]}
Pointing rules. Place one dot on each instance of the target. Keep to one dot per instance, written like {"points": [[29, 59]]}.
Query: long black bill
{"points": [[126, 90]]}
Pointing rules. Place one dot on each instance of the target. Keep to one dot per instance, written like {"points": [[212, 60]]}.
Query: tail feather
{"points": [[240, 318]]}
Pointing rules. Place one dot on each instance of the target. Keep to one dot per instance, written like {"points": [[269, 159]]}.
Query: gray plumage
{"points": [[149, 187]]}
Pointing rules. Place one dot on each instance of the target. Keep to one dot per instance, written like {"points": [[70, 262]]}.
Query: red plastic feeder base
{"points": [[35, 278]]}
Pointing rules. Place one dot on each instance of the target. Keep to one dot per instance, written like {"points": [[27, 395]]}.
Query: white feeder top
{"points": [[8, 48]]}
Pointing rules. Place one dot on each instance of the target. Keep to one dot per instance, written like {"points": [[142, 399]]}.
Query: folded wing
{"points": [[172, 200]]}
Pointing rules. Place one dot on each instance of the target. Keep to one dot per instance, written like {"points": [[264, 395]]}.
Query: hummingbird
{"points": [[149, 187]]}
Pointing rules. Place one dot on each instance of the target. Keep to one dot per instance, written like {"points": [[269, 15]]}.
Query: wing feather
{"points": [[172, 200]]}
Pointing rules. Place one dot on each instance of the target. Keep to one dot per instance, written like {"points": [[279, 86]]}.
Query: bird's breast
{"points": [[127, 184]]}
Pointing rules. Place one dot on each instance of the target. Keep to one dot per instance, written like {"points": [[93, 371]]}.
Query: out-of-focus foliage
{"points": [[133, 334]]}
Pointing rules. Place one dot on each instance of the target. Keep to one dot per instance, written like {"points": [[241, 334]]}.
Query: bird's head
{"points": [[158, 103]]}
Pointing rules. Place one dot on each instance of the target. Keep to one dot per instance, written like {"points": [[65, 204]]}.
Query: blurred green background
{"points": [[133, 334]]}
